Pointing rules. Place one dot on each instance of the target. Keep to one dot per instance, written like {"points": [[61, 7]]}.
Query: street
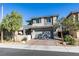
{"points": [[22, 52]]}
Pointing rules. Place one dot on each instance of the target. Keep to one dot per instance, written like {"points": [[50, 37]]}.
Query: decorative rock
{"points": [[64, 43], [23, 42]]}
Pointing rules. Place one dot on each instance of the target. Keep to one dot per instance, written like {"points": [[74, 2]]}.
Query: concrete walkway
{"points": [[74, 49]]}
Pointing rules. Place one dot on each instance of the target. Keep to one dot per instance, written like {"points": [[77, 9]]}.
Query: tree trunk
{"points": [[2, 36], [13, 36], [62, 36]]}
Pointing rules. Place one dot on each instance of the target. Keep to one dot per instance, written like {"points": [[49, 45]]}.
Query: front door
{"points": [[59, 34]]}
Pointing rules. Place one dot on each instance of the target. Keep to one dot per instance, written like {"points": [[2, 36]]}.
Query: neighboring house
{"points": [[42, 27], [74, 16]]}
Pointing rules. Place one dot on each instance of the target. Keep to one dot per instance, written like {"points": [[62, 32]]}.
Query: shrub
{"points": [[7, 38], [69, 39], [24, 39]]}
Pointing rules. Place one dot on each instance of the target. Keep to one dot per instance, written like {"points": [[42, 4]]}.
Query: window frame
{"points": [[48, 20], [38, 20]]}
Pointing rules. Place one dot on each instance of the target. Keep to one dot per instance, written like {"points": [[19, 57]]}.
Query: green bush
{"points": [[69, 39], [24, 39]]}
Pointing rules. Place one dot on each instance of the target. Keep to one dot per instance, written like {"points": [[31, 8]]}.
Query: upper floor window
{"points": [[38, 20], [48, 20]]}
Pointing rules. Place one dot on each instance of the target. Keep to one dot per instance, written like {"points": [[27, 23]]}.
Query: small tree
{"points": [[12, 22], [70, 25], [3, 24]]}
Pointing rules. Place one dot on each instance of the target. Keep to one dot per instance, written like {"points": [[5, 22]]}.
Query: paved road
{"points": [[22, 52]]}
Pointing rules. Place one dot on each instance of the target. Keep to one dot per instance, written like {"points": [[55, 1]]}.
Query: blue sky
{"points": [[29, 10]]}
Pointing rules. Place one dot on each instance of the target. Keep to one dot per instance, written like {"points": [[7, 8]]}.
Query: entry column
{"points": [[24, 31]]}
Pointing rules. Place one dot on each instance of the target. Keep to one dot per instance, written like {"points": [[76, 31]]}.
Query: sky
{"points": [[29, 10]]}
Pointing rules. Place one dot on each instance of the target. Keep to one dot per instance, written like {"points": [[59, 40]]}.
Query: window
{"points": [[38, 20], [48, 19]]}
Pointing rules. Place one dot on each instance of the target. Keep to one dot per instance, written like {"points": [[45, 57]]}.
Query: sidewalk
{"points": [[74, 49]]}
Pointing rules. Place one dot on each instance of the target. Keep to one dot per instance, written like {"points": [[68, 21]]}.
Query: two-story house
{"points": [[45, 27], [41, 27]]}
